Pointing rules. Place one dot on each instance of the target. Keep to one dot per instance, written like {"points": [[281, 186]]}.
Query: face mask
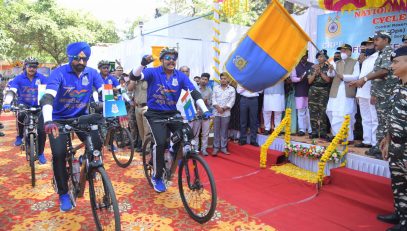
{"points": [[344, 56], [370, 51], [336, 59]]}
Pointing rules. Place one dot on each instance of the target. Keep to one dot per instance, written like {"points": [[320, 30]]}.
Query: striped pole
{"points": [[216, 40]]}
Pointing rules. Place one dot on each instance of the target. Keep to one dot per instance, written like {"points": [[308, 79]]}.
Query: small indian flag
{"points": [[107, 92]]}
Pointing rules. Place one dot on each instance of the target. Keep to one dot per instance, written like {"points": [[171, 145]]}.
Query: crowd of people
{"points": [[321, 95]]}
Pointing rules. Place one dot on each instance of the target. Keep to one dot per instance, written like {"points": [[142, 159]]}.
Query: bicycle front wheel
{"points": [[32, 159], [148, 159], [197, 188], [103, 200], [122, 146]]}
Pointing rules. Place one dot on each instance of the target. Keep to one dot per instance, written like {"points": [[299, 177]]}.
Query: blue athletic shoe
{"points": [[113, 148], [158, 184], [19, 141], [65, 202], [41, 158]]}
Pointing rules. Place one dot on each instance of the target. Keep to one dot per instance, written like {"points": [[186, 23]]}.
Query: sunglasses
{"points": [[32, 66], [105, 67], [168, 58], [77, 58]]}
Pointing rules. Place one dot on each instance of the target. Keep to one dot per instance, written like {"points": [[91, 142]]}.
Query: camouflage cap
{"points": [[382, 34]]}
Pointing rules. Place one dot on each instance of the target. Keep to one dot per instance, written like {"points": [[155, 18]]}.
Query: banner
{"points": [[354, 27]]}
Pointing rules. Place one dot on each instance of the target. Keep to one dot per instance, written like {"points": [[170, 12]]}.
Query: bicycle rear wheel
{"points": [[122, 140], [197, 188], [32, 159], [103, 200], [148, 159]]}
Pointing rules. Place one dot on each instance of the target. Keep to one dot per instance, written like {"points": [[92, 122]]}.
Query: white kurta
{"points": [[340, 106], [367, 67], [274, 99]]}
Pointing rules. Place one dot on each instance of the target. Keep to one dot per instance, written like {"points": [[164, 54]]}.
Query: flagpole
{"points": [[216, 39]]}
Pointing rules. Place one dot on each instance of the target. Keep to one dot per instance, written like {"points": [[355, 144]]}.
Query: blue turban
{"points": [[74, 49]]}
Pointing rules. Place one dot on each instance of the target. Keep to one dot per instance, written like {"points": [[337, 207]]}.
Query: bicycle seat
{"points": [[90, 119]]}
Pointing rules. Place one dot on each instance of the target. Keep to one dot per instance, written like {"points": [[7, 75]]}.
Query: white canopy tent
{"points": [[193, 37]]}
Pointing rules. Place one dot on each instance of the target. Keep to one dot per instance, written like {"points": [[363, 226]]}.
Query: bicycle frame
{"points": [[91, 161]]}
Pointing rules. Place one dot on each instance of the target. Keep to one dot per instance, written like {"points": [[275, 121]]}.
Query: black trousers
{"points": [[248, 112], [161, 135], [59, 151], [23, 119]]}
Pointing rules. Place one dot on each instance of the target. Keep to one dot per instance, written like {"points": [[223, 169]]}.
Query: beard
{"points": [[79, 67]]}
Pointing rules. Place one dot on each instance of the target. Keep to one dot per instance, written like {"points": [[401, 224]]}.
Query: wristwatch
{"points": [[365, 78]]}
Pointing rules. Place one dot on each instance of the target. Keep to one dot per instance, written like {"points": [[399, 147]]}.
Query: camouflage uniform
{"points": [[318, 97], [397, 128], [382, 89]]}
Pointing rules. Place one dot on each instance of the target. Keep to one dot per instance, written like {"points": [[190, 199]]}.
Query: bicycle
{"points": [[119, 137], [102, 196], [30, 141], [189, 179], [116, 136]]}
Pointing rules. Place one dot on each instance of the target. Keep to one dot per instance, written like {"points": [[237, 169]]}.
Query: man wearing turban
{"points": [[67, 95]]}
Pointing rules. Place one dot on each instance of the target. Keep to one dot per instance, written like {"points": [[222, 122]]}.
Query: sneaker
{"points": [[113, 148], [225, 151], [301, 133], [41, 158], [204, 152], [215, 152], [158, 184], [65, 202], [267, 132], [2, 134], [1, 126], [19, 141]]}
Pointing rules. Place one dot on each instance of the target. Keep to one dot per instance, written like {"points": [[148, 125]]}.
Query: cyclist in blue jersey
{"points": [[69, 89], [165, 84], [25, 86], [107, 78]]}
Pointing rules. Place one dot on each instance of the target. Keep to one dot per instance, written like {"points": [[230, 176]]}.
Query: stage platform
{"points": [[355, 159]]}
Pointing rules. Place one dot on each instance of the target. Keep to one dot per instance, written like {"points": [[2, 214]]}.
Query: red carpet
{"points": [[350, 202]]}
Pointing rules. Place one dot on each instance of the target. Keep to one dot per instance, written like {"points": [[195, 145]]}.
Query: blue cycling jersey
{"points": [[27, 90], [72, 92], [162, 92]]}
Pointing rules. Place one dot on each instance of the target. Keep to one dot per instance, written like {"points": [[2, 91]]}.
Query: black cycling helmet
{"points": [[103, 63], [167, 50], [31, 60]]}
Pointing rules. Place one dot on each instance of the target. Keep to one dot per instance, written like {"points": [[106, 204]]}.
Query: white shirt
{"points": [[342, 104], [367, 67], [246, 93], [223, 98]]}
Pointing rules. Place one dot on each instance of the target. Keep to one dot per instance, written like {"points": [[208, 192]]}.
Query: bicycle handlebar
{"points": [[179, 119], [24, 108], [80, 123]]}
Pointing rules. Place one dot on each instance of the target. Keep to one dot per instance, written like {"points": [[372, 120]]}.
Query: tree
{"points": [[44, 30]]}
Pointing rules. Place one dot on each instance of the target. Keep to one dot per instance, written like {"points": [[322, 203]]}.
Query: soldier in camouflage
{"points": [[393, 146], [383, 83], [318, 95]]}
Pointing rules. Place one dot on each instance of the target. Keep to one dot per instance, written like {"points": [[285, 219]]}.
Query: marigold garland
{"points": [[287, 135], [342, 137], [285, 123], [296, 172]]}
